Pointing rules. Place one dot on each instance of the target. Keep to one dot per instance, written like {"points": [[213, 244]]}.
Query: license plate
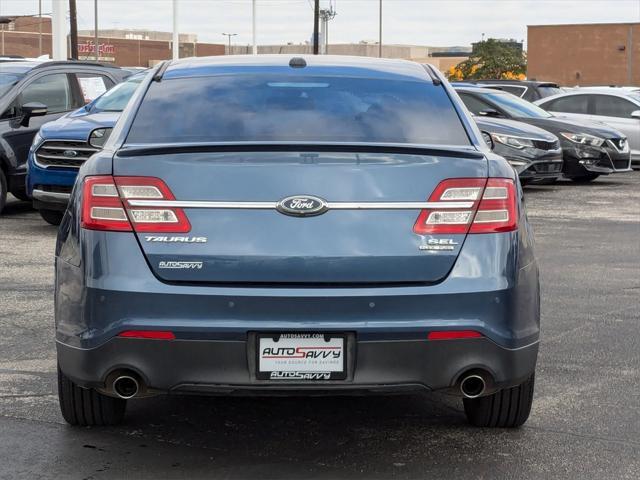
{"points": [[301, 357]]}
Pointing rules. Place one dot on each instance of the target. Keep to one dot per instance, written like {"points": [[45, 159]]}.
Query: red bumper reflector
{"points": [[152, 334], [453, 334]]}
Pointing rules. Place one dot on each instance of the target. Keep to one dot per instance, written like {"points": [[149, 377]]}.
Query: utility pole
{"points": [[229, 35], [96, 40], [73, 29], [254, 48], [380, 31], [316, 22], [176, 37], [325, 16]]}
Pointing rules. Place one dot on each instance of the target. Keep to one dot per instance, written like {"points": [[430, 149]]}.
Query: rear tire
{"points": [[585, 178], [21, 195], [86, 406], [508, 408], [53, 217], [3, 190]]}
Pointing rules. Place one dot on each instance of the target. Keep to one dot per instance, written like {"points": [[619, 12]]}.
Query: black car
{"points": [[530, 90], [590, 149], [532, 152], [33, 93]]}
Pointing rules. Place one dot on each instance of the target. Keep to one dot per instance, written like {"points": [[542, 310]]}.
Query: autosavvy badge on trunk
{"points": [[302, 206]]}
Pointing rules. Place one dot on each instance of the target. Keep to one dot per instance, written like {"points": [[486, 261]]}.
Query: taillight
{"points": [[493, 207], [497, 211], [102, 208], [105, 205]]}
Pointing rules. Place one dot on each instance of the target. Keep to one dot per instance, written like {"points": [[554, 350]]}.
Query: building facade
{"points": [[588, 54], [31, 37]]}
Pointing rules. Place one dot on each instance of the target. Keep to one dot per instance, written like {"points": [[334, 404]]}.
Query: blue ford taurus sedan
{"points": [[296, 225]]}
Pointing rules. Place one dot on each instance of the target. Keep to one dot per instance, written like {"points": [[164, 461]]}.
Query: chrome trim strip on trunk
{"points": [[50, 197], [330, 205]]}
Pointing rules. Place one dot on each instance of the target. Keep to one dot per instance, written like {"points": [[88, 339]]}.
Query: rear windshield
{"points": [[548, 90], [242, 108]]}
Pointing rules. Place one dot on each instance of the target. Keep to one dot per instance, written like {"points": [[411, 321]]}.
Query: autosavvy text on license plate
{"points": [[301, 357]]}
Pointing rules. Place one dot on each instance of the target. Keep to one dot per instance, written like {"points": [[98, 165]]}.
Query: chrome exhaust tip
{"points": [[126, 387], [472, 386]]}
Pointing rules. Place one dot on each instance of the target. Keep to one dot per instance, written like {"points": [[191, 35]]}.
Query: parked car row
{"points": [[33, 93], [580, 133]]}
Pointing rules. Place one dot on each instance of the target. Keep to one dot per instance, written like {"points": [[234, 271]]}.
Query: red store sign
{"points": [[89, 47]]}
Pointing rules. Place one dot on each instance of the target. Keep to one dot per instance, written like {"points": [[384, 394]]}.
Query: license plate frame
{"points": [[304, 373]]}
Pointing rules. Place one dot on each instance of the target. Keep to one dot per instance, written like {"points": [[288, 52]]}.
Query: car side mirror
{"points": [[99, 136], [488, 139], [635, 114], [32, 109], [490, 112]]}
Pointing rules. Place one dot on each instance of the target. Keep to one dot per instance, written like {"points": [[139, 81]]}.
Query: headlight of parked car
{"points": [[36, 140], [515, 142], [583, 139]]}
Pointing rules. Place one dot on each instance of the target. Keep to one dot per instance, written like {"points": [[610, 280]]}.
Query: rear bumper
{"points": [[214, 326], [49, 200], [210, 367]]}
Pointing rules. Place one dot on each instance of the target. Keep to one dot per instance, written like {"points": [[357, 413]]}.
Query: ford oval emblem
{"points": [[70, 153], [302, 206]]}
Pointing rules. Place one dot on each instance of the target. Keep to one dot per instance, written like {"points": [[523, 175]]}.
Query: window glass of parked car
{"points": [[515, 106], [570, 104], [242, 108], [8, 80], [513, 89], [51, 90], [93, 85], [548, 90], [474, 104], [610, 106], [117, 98]]}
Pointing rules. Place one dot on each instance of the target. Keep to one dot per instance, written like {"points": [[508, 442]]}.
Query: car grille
{"points": [[621, 164], [63, 153], [543, 145], [555, 167]]}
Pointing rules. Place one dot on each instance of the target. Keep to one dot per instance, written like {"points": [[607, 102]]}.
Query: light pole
{"points": [[229, 35], [58, 29], [39, 28], [176, 38], [380, 31], [254, 49], [95, 29]]}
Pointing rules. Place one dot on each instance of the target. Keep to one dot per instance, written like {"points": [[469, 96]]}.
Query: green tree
{"points": [[491, 59]]}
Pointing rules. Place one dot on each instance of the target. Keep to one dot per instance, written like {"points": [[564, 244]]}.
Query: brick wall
{"points": [[125, 52], [595, 54]]}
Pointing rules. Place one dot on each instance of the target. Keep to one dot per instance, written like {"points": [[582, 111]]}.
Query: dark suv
{"points": [[530, 90], [33, 93]]}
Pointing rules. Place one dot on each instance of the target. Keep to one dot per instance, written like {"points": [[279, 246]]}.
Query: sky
{"points": [[418, 22]]}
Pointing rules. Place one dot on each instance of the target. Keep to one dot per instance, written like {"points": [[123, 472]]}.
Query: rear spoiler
{"points": [[136, 150]]}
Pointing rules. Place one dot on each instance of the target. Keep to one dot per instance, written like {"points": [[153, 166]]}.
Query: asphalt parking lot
{"points": [[586, 414]]}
